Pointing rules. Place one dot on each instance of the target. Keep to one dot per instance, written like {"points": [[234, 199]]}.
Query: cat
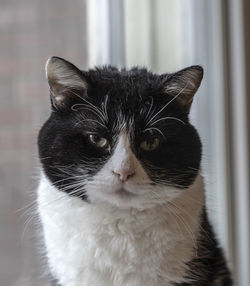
{"points": [[121, 196]]}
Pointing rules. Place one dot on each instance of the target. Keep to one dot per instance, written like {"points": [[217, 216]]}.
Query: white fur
{"points": [[129, 238], [124, 161], [106, 185]]}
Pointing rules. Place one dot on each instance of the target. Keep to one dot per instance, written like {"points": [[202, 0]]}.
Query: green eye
{"points": [[150, 145], [98, 141]]}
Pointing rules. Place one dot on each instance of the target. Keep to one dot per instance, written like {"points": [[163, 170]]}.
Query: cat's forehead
{"points": [[128, 94], [123, 98], [132, 84]]}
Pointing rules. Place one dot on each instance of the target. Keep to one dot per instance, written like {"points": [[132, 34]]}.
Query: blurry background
{"points": [[163, 35]]}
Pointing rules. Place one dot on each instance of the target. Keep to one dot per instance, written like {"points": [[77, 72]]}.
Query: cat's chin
{"points": [[120, 198], [123, 193], [127, 198]]}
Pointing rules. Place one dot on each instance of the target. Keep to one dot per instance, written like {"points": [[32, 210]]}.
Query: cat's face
{"points": [[120, 137]]}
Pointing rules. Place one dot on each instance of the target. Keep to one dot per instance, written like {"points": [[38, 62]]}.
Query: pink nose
{"points": [[124, 174]]}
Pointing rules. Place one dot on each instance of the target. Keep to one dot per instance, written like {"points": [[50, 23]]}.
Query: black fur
{"points": [[63, 145], [135, 97], [209, 261]]}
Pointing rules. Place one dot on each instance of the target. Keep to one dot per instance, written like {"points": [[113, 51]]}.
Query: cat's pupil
{"points": [[150, 144], [94, 138], [98, 141]]}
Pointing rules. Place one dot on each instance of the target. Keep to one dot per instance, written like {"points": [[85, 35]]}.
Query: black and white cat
{"points": [[121, 196]]}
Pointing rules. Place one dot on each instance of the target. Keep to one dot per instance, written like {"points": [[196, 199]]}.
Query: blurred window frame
{"points": [[214, 34]]}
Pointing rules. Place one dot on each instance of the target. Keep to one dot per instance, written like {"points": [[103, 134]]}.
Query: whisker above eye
{"points": [[104, 107], [168, 118], [150, 108], [154, 116], [156, 129], [86, 107], [102, 113], [91, 120]]}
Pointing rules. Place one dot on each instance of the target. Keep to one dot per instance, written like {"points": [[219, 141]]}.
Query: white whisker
{"points": [[168, 118], [150, 107], [166, 105], [154, 128]]}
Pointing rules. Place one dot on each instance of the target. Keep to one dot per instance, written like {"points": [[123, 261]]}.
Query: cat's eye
{"points": [[98, 141], [150, 145]]}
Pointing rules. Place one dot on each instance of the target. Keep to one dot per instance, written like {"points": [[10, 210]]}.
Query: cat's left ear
{"points": [[66, 82], [184, 84]]}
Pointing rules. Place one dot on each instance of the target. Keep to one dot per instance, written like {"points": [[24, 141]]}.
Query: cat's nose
{"points": [[124, 175]]}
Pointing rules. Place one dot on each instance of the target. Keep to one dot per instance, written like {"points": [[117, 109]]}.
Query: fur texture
{"points": [[121, 196], [99, 244]]}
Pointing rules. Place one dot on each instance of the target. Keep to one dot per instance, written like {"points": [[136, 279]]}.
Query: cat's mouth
{"points": [[124, 193]]}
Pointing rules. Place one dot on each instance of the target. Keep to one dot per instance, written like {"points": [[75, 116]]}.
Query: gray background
{"points": [[30, 32]]}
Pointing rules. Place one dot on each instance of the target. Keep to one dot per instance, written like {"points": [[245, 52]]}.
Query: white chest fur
{"points": [[98, 244]]}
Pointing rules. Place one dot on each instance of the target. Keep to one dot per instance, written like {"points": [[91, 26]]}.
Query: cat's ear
{"points": [[184, 84], [66, 82]]}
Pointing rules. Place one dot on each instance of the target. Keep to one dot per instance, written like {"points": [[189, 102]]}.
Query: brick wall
{"points": [[31, 31]]}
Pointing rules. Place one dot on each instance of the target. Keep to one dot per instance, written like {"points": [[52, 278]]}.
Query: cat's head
{"points": [[120, 137]]}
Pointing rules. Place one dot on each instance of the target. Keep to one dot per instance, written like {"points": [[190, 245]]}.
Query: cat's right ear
{"points": [[66, 82]]}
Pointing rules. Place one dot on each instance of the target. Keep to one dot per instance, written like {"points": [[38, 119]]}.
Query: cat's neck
{"points": [[118, 238]]}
